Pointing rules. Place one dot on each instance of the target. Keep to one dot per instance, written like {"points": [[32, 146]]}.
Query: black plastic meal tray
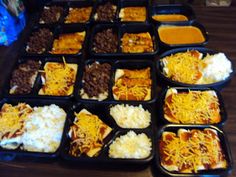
{"points": [[202, 173], [5, 154], [160, 104], [102, 111], [168, 82]]}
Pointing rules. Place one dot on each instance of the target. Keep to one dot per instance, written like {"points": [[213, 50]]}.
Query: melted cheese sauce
{"points": [[169, 17], [174, 35]]}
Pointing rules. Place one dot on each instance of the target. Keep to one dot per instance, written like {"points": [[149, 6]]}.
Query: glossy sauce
{"points": [[175, 35], [169, 17]]}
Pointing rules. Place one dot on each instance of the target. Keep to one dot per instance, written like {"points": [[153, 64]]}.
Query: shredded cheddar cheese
{"points": [[87, 134], [137, 43], [183, 67], [59, 79], [132, 84], [192, 151], [70, 43], [12, 120], [195, 107]]}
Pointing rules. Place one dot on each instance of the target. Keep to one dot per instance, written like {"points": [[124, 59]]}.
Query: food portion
{"points": [[58, 79], [96, 78], [105, 41], [190, 151], [169, 17], [131, 146], [51, 14], [23, 77], [105, 12], [78, 15], [133, 14], [12, 124], [70, 43], [128, 116], [87, 134], [137, 43], [37, 129], [191, 67], [40, 41], [182, 35], [132, 84], [44, 129], [191, 107]]}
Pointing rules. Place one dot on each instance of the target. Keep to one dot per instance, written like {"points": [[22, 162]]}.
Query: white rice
{"points": [[131, 145], [44, 129], [128, 116], [218, 68]]}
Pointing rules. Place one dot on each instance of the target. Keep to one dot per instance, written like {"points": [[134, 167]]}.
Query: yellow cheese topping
{"points": [[183, 67], [12, 120], [132, 84], [59, 79], [198, 107], [87, 134], [137, 42], [70, 43], [194, 150]]}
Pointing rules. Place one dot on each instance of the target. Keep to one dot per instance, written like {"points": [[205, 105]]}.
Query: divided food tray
{"points": [[65, 5], [102, 111], [57, 30], [124, 64], [161, 102], [119, 30], [214, 172], [168, 82], [6, 153], [38, 82]]}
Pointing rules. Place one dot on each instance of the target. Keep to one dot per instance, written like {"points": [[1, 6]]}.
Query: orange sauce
{"points": [[169, 17], [174, 35]]}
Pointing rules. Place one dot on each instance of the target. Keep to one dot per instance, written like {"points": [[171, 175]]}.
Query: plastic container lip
{"points": [[120, 29], [187, 23], [35, 102], [224, 144], [136, 64], [218, 85], [99, 109], [103, 2], [79, 4], [183, 9], [223, 112], [131, 3]]}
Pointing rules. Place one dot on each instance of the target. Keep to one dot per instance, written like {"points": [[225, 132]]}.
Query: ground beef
{"points": [[96, 78], [51, 14], [22, 77], [105, 41], [40, 41], [105, 12]]}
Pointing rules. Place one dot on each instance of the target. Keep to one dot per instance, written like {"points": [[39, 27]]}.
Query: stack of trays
{"points": [[88, 82]]}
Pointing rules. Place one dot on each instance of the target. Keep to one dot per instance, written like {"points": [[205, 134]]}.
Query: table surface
{"points": [[221, 25]]}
